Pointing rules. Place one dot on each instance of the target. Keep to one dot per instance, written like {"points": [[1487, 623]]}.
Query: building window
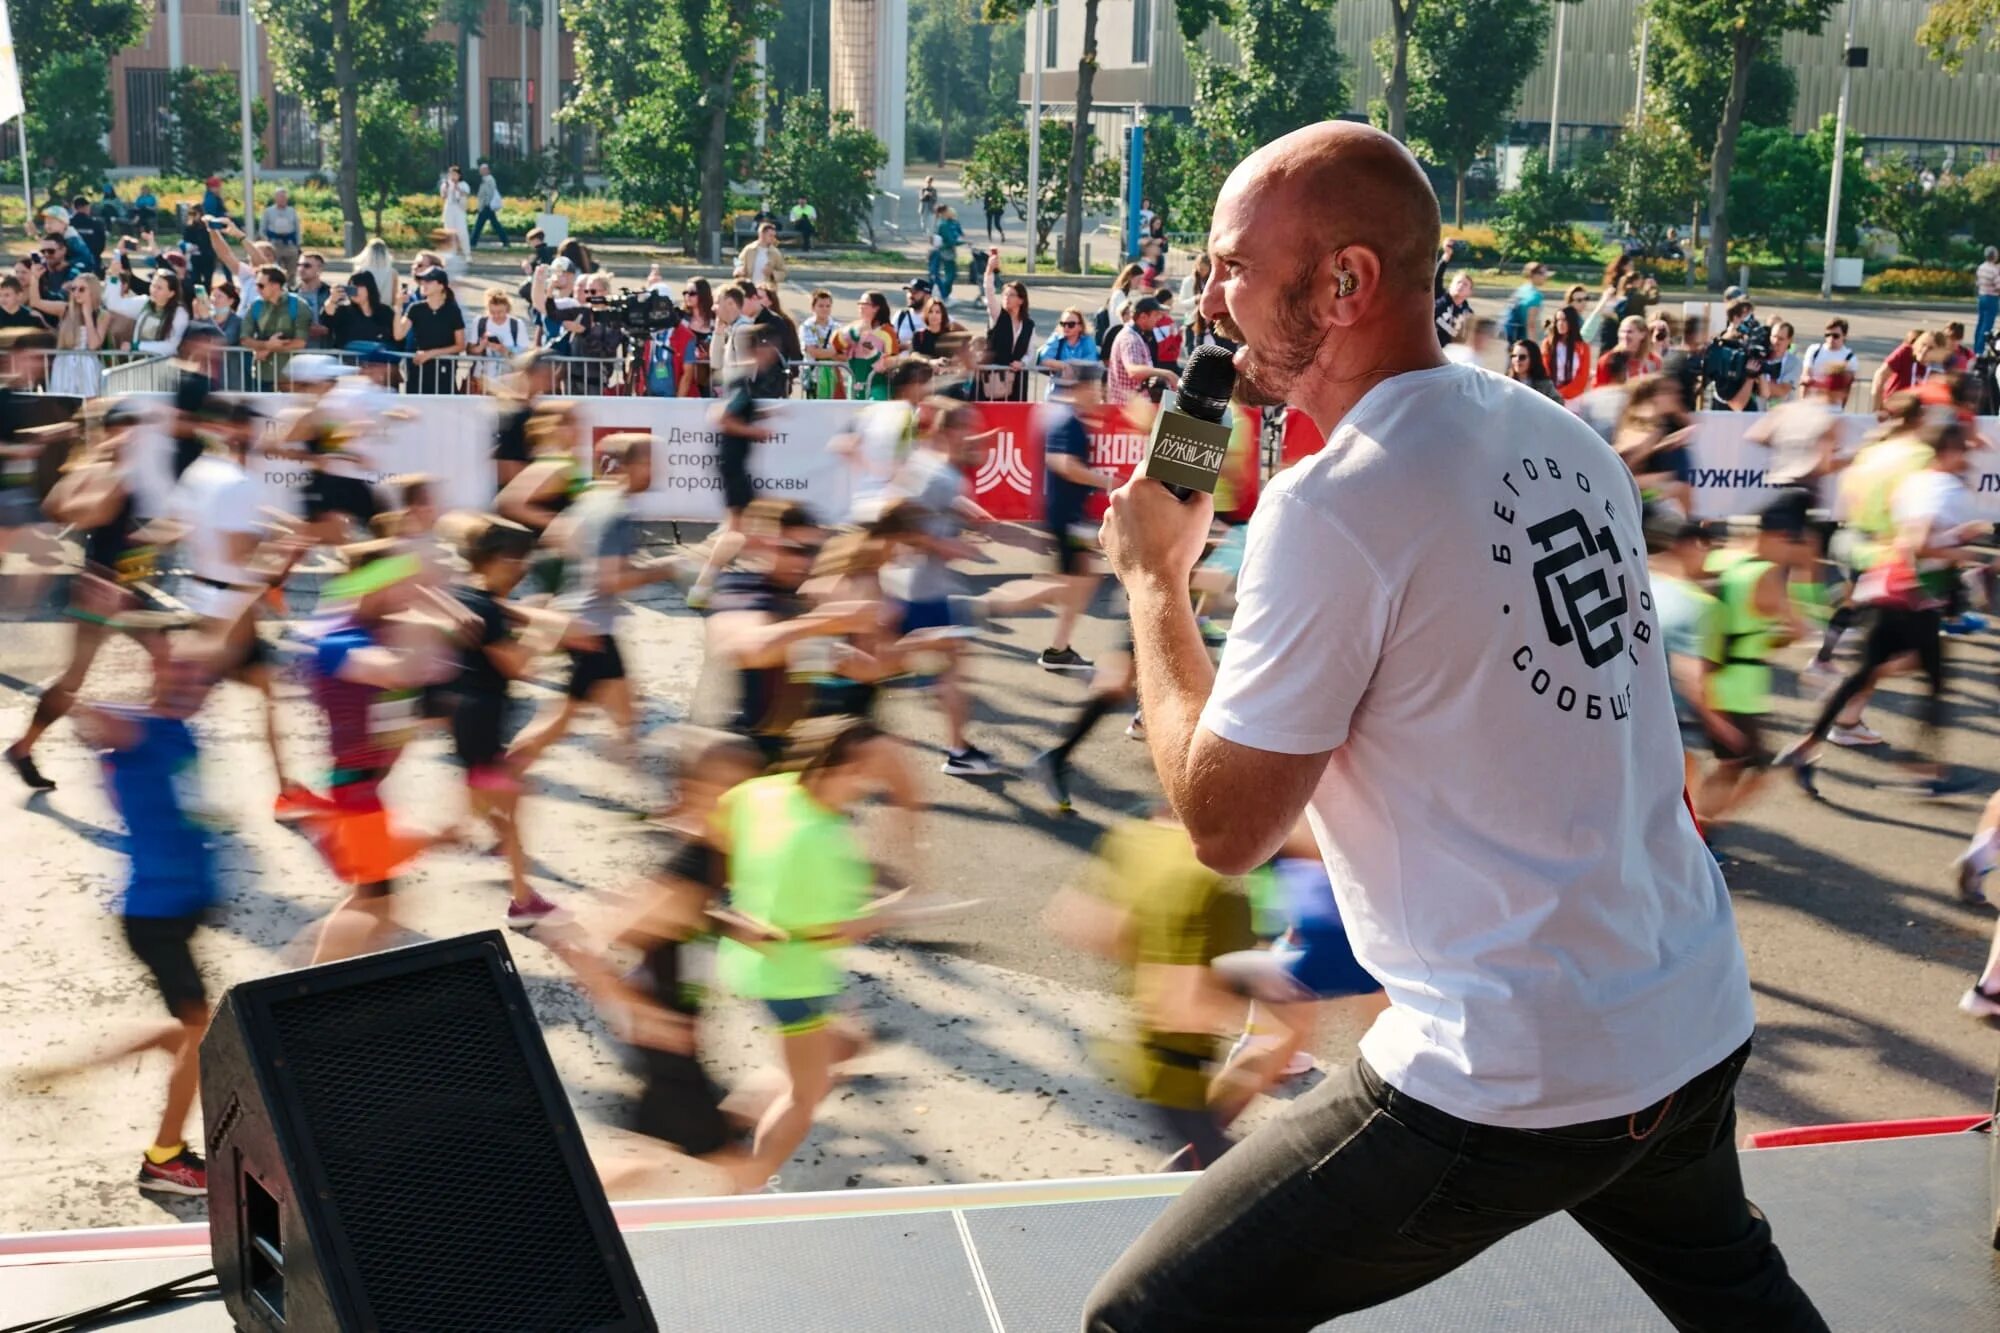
{"points": [[1142, 31], [294, 137], [448, 121], [507, 125], [234, 9], [1051, 26], [146, 117]]}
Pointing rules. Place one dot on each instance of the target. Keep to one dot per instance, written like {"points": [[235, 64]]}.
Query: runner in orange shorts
{"points": [[368, 671]]}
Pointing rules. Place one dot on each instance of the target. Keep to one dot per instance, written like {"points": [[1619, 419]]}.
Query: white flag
{"points": [[11, 104]]}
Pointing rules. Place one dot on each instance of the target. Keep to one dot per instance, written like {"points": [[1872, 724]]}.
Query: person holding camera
{"points": [[355, 313], [497, 335], [1734, 364]]}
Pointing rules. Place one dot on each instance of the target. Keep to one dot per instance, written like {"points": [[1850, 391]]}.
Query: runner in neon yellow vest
{"points": [[796, 864], [1757, 617]]}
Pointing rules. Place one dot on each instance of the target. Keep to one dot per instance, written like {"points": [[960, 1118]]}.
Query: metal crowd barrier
{"points": [[238, 370]]}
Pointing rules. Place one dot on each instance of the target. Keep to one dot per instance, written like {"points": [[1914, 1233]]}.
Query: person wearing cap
{"points": [[1129, 365], [1523, 318], [435, 327], [762, 261], [276, 325], [333, 445], [77, 256], [910, 319]]}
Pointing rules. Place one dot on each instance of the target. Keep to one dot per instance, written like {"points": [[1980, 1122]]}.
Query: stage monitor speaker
{"points": [[389, 1150]]}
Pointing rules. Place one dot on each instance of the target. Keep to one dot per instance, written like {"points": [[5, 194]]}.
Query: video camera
{"points": [[638, 314], [1736, 354]]}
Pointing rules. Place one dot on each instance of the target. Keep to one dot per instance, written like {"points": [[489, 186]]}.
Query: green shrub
{"points": [[1533, 220], [1919, 282]]}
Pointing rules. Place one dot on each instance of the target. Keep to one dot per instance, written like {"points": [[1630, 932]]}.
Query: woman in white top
{"points": [[76, 368], [159, 317], [1196, 280], [454, 193]]}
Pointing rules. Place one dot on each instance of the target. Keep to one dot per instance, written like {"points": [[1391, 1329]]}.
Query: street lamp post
{"points": [[243, 80], [1839, 155], [1555, 96]]}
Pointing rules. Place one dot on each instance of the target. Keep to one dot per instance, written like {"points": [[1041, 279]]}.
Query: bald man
{"points": [[1446, 655]]}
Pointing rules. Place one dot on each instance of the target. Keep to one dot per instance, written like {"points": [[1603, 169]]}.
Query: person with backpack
{"points": [[498, 334], [1523, 320]]}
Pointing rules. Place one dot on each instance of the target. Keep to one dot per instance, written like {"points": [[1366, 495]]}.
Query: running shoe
{"points": [[1979, 1004], [537, 911], [971, 762], [1299, 1065], [1968, 623], [1212, 634], [183, 1173], [698, 598], [1065, 659], [1136, 728], [1971, 878], [24, 767], [1938, 788], [296, 803], [1806, 774], [1857, 735], [1822, 675], [1047, 771]]}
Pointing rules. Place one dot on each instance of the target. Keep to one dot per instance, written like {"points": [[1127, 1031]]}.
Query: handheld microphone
{"points": [[1190, 441]]}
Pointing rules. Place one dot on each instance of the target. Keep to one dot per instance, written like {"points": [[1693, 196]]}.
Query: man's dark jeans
{"points": [[1360, 1194], [487, 217]]}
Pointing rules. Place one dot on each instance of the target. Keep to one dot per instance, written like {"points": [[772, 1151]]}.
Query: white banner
{"points": [[1729, 470], [687, 483], [11, 103], [451, 439]]}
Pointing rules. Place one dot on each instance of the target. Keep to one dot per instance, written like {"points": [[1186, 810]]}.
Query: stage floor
{"points": [[1885, 1235]]}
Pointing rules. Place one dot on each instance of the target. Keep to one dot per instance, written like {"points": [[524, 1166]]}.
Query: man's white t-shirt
{"points": [[1452, 597], [1822, 360], [214, 500]]}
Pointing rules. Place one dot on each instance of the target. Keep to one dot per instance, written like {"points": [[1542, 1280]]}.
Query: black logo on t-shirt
{"points": [[1586, 588], [1574, 584]]}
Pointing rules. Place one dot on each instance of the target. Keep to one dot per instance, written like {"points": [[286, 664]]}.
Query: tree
{"points": [[46, 29], [64, 49], [999, 166], [69, 120], [1650, 179], [1954, 28], [1455, 113], [1778, 187], [1748, 29], [206, 130], [1392, 56], [1532, 220], [468, 20], [951, 64], [1070, 258], [329, 53], [1289, 76], [830, 164], [673, 87], [397, 147], [1922, 216]]}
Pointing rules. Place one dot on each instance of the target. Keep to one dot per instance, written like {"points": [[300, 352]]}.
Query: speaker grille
{"points": [[446, 1180]]}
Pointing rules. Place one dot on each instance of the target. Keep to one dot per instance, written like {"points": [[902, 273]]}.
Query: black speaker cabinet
{"points": [[389, 1151]]}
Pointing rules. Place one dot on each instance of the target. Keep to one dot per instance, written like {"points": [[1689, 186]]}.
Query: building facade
{"points": [[1901, 100], [504, 108]]}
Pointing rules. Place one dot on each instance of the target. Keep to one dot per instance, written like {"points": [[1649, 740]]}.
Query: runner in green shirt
{"points": [[797, 866]]}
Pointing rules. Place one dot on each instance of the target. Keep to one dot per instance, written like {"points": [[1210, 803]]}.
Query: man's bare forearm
{"points": [[1175, 678]]}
